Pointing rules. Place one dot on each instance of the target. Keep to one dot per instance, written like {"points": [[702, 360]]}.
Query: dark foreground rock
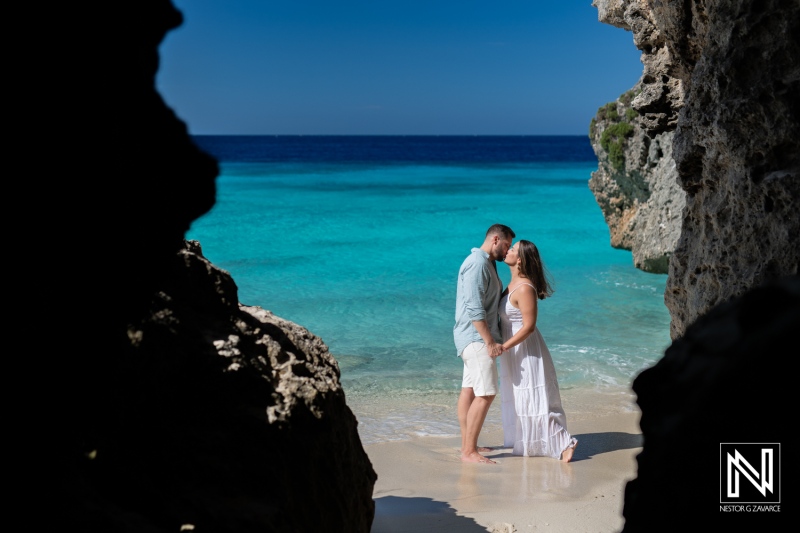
{"points": [[163, 405], [221, 417], [727, 380]]}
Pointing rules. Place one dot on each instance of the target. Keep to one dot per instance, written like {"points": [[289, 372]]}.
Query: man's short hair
{"points": [[502, 230]]}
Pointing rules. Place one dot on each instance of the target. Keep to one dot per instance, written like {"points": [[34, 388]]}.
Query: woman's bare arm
{"points": [[524, 299]]}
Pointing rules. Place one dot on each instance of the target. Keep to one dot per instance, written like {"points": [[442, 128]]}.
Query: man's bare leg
{"points": [[464, 401], [475, 417]]}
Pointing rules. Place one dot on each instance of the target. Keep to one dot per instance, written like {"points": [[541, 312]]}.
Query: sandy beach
{"points": [[423, 486]]}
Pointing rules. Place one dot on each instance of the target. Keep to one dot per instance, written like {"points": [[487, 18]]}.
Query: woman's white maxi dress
{"points": [[534, 423]]}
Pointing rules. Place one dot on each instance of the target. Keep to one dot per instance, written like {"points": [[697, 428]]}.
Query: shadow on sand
{"points": [[591, 444], [395, 514]]}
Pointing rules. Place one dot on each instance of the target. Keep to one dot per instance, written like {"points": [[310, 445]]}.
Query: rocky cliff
{"points": [[636, 184], [718, 105], [722, 78], [170, 406], [736, 147]]}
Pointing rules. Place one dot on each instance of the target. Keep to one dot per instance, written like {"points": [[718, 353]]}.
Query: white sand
{"points": [[423, 485]]}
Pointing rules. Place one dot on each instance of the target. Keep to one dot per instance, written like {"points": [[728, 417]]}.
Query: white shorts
{"points": [[480, 370]]}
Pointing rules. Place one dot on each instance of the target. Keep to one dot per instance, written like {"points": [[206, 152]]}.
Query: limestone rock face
{"points": [[169, 406], [660, 95], [636, 184], [737, 149], [723, 79]]}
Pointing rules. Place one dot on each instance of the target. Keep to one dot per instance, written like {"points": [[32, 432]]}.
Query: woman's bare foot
{"points": [[475, 457], [566, 455]]}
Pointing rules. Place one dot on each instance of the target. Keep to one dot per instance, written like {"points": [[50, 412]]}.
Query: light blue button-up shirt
{"points": [[477, 295]]}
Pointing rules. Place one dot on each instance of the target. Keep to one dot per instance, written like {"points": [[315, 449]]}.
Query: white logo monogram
{"points": [[738, 464]]}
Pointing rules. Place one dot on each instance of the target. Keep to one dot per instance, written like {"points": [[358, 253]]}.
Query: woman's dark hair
{"points": [[531, 267]]}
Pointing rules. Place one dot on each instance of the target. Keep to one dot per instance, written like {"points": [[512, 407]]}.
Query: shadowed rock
{"points": [[173, 406], [221, 416], [721, 382]]}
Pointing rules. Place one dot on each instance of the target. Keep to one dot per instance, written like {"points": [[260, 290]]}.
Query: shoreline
{"points": [[423, 486], [411, 415]]}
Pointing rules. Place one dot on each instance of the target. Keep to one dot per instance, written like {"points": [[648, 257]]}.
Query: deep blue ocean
{"points": [[359, 239]]}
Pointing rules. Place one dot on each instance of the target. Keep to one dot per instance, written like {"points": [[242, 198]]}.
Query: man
{"points": [[477, 336]]}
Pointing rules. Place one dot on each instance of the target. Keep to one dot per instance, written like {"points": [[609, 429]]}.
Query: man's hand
{"points": [[494, 349]]}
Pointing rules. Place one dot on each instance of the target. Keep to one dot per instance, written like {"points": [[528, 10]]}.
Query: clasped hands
{"points": [[495, 349]]}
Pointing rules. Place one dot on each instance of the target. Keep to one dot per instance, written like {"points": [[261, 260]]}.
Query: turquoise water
{"points": [[366, 256]]}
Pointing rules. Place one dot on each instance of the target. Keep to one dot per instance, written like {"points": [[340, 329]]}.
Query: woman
{"points": [[534, 423]]}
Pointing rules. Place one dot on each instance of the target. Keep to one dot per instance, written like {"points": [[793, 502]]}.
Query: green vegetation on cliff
{"points": [[608, 112], [627, 97], [612, 140]]}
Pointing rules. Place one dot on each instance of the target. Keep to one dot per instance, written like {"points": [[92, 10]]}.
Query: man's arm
{"points": [[492, 347], [474, 284]]}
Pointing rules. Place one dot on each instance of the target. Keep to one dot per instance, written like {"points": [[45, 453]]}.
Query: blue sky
{"points": [[386, 67]]}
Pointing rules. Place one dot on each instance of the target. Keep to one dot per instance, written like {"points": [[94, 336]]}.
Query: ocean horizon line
{"points": [[398, 149]]}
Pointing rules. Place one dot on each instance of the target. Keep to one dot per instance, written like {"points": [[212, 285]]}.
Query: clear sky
{"points": [[382, 67]]}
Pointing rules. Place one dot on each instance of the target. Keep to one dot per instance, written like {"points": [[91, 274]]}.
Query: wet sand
{"points": [[423, 485]]}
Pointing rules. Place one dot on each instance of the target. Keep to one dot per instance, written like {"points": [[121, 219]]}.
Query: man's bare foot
{"points": [[475, 457], [483, 449], [566, 455]]}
